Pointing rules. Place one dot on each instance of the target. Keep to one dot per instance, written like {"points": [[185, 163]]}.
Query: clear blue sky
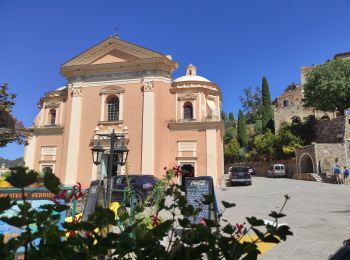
{"points": [[233, 43]]}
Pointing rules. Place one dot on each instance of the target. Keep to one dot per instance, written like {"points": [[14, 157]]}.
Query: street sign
{"points": [[195, 188]]}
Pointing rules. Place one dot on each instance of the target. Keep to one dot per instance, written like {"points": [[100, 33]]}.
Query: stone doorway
{"points": [[306, 164]]}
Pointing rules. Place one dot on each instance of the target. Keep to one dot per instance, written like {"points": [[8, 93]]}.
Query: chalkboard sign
{"points": [[96, 197], [195, 188]]}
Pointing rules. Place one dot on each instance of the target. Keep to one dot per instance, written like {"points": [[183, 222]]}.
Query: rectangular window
{"points": [[48, 150]]}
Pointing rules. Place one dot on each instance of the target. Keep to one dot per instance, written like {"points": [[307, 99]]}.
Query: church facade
{"points": [[120, 86]]}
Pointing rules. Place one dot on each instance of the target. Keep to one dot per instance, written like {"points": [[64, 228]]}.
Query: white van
{"points": [[277, 170]]}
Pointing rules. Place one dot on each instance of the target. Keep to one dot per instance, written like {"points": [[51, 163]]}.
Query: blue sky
{"points": [[233, 43]]}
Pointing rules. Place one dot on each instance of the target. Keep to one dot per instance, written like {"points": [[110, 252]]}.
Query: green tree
{"points": [[11, 130], [242, 130], [230, 132], [305, 130], [231, 150], [224, 118], [265, 145], [231, 119], [286, 142], [327, 86], [266, 113], [251, 104]]}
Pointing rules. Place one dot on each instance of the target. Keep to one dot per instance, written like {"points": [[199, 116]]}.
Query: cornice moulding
{"points": [[195, 125], [128, 66]]}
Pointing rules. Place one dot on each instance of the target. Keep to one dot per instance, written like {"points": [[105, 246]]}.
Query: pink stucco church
{"points": [[122, 86]]}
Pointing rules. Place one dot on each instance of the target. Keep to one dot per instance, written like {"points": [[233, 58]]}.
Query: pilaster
{"points": [[74, 137], [211, 144], [148, 128]]}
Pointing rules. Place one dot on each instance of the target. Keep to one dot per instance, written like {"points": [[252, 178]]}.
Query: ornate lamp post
{"points": [[97, 153], [117, 156]]}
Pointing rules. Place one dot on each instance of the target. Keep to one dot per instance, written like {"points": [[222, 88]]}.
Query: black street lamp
{"points": [[121, 155], [97, 153], [117, 155]]}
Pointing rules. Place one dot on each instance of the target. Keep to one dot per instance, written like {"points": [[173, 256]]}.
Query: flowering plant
{"points": [[172, 235]]}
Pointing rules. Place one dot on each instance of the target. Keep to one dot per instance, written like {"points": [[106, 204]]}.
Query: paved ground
{"points": [[318, 214]]}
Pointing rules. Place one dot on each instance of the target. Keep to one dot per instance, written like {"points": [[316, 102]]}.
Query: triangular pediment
{"points": [[114, 56], [112, 50]]}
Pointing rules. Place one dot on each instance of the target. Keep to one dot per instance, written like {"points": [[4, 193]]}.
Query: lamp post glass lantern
{"points": [[97, 153], [121, 155]]}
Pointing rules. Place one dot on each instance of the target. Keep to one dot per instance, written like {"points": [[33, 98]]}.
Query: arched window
{"points": [[113, 108], [188, 110], [52, 116]]}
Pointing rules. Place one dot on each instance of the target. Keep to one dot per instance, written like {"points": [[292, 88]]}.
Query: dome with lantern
{"points": [[191, 75]]}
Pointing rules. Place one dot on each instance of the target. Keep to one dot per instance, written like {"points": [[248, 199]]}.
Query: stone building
{"points": [[122, 86], [332, 144], [289, 108]]}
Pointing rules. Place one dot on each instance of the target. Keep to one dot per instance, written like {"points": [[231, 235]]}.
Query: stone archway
{"points": [[306, 164]]}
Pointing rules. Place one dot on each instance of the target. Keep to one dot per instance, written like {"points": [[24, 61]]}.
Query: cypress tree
{"points": [[267, 113], [242, 130], [231, 119]]}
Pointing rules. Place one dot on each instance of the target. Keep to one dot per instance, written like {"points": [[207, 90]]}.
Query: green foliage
{"points": [[52, 183], [280, 146], [6, 98], [327, 86], [251, 104], [231, 120], [230, 133], [286, 142], [305, 130], [22, 177], [231, 150], [224, 118], [267, 113], [92, 240], [264, 144], [11, 130], [242, 130]]}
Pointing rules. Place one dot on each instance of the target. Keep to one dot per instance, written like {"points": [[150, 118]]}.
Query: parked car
{"points": [[141, 184], [277, 170], [251, 171], [239, 175]]}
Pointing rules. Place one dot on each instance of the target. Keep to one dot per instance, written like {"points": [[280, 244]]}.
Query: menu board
{"points": [[96, 196], [195, 188]]}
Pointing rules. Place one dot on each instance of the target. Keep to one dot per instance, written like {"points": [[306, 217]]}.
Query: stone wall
{"points": [[261, 168], [282, 113], [327, 154], [323, 156], [330, 131]]}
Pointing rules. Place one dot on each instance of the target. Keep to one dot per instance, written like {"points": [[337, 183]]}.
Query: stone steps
{"points": [[316, 177]]}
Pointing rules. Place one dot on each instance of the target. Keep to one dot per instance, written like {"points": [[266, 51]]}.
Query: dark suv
{"points": [[142, 185], [239, 174]]}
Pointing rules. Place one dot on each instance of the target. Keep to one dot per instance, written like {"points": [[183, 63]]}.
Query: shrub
{"points": [[172, 237]]}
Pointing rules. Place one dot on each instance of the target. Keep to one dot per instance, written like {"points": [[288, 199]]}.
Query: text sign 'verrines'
{"points": [[195, 188]]}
